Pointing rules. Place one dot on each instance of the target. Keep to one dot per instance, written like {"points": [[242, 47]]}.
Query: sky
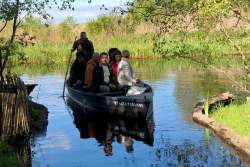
{"points": [[85, 11]]}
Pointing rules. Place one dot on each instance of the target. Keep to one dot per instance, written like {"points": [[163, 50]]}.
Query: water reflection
{"points": [[188, 154], [107, 129], [177, 140]]}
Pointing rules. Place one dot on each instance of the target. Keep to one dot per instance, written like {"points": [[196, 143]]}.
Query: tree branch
{"points": [[5, 24]]}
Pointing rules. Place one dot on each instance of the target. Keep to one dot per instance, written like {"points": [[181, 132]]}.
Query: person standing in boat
{"points": [[126, 77], [77, 71], [84, 46], [103, 77]]}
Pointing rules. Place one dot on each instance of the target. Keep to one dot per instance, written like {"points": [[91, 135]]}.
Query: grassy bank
{"points": [[236, 117], [141, 46]]}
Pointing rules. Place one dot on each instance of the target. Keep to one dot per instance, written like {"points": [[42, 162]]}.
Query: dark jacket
{"points": [[98, 78], [87, 48], [77, 72]]}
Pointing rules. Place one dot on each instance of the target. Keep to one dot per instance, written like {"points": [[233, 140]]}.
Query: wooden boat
{"points": [[10, 89], [115, 102], [30, 87]]}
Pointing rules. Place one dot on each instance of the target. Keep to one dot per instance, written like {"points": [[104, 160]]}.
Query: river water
{"points": [[171, 138]]}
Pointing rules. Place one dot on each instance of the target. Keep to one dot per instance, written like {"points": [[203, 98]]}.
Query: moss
{"points": [[7, 155], [38, 118]]}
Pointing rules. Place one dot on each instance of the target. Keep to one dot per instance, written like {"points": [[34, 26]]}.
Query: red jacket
{"points": [[115, 70]]}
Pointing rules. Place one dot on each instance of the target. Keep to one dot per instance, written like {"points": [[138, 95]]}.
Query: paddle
{"points": [[65, 78]]}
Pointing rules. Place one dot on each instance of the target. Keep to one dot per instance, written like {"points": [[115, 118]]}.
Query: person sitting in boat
{"points": [[89, 70], [126, 77], [111, 53], [117, 58], [84, 45], [77, 70], [103, 78]]}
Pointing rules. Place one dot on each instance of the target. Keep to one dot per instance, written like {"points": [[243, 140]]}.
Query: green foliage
{"points": [[7, 156], [110, 24], [206, 106], [67, 26], [32, 24], [236, 117]]}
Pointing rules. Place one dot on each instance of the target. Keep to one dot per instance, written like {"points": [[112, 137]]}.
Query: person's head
{"points": [[104, 58], [111, 54], [117, 56], [96, 57], [125, 54], [83, 35], [79, 57], [107, 148]]}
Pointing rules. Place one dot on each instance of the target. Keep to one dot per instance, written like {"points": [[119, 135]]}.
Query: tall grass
{"points": [[53, 42], [236, 117]]}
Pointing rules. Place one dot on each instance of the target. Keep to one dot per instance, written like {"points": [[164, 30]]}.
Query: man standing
{"points": [[84, 46]]}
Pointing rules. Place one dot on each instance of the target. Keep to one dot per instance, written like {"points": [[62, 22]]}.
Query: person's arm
{"points": [[92, 49], [127, 72], [74, 46]]}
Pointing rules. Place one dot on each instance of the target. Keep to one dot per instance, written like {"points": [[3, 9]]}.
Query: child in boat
{"points": [[117, 58], [103, 78], [89, 70]]}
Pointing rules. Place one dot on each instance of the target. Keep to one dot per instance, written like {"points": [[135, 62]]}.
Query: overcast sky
{"points": [[85, 11]]}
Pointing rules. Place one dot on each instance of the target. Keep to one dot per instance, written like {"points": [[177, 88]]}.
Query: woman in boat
{"points": [[111, 53], [115, 62], [126, 77], [77, 71], [103, 78], [89, 70]]}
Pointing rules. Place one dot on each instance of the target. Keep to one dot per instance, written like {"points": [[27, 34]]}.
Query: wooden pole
{"points": [[65, 78]]}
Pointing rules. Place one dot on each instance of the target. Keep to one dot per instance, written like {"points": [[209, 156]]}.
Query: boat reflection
{"points": [[107, 129]]}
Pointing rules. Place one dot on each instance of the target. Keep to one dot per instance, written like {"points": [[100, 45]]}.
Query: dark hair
{"points": [[125, 53], [111, 51], [117, 52], [83, 32], [103, 53]]}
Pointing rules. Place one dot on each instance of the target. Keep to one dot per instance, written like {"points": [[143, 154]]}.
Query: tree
{"points": [[206, 16], [13, 12]]}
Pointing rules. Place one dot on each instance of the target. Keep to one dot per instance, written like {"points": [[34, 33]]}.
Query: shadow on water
{"points": [[107, 128]]}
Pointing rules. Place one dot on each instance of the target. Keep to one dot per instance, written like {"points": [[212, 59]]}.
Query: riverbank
{"points": [[235, 117], [235, 137], [15, 152]]}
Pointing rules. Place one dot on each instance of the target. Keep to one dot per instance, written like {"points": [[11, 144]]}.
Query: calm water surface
{"points": [[171, 139]]}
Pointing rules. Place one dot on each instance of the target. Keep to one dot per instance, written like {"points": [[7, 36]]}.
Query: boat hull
{"points": [[135, 106]]}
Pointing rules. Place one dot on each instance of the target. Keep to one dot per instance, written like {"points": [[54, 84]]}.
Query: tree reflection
{"points": [[188, 154]]}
